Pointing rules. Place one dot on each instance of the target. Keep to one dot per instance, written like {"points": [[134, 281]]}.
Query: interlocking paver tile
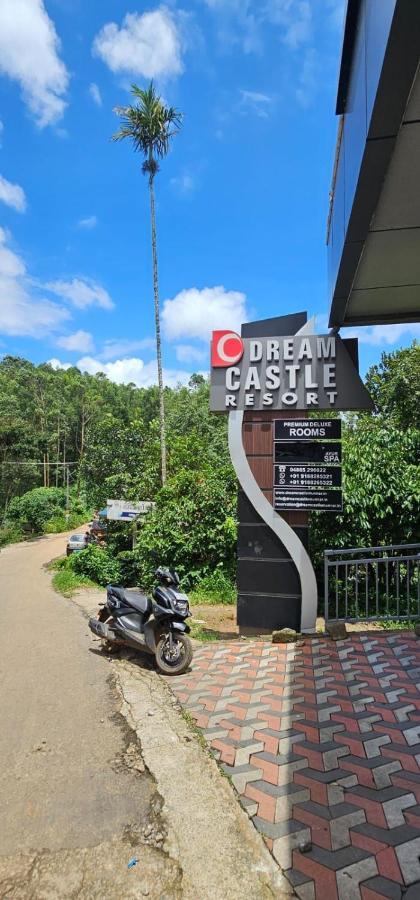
{"points": [[383, 808], [379, 888], [321, 740]]}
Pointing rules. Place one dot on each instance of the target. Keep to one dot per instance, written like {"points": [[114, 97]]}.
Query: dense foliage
{"points": [[41, 510], [381, 463], [110, 434]]}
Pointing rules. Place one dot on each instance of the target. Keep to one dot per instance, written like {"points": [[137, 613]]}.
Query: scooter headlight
{"points": [[181, 604]]}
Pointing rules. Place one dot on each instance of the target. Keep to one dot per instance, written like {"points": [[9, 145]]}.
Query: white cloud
{"points": [[238, 23], [57, 364], [244, 20], [125, 346], [294, 18], [374, 335], [195, 313], [185, 353], [336, 12], [185, 183], [29, 55], [21, 312], [1, 133], [81, 293], [12, 195], [307, 82], [88, 223], [377, 335], [95, 94], [132, 370], [147, 44], [256, 103], [81, 341], [11, 265]]}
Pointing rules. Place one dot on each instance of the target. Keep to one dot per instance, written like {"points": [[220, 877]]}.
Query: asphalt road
{"points": [[64, 783]]}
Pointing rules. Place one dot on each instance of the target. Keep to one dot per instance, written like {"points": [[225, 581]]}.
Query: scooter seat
{"points": [[138, 600], [132, 598]]}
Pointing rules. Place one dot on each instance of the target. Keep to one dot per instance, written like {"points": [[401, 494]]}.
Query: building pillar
{"points": [[269, 593]]}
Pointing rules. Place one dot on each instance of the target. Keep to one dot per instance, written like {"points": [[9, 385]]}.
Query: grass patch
{"points": [[189, 719], [214, 590], [65, 581], [199, 598], [200, 633], [396, 624]]}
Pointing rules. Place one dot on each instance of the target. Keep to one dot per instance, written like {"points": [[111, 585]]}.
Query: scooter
{"points": [[131, 619]]}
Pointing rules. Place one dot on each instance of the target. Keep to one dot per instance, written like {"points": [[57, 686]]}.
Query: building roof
{"points": [[374, 220]]}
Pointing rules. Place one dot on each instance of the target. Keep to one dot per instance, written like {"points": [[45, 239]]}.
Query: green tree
{"points": [[192, 528], [394, 385], [150, 125], [381, 463], [36, 507]]}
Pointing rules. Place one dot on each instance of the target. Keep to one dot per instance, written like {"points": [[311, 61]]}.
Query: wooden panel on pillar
{"points": [[258, 440], [268, 582]]}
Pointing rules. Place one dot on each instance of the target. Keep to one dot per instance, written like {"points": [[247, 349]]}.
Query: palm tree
{"points": [[150, 125]]}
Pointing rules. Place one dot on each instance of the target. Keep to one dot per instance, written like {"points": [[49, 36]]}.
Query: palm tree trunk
{"points": [[157, 328]]}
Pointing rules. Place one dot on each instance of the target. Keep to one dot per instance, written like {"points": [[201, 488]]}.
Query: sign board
{"points": [[307, 451], [307, 476], [127, 511], [307, 429], [307, 498], [300, 372]]}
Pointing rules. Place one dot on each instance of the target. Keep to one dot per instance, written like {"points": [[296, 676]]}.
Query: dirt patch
{"points": [[219, 619]]}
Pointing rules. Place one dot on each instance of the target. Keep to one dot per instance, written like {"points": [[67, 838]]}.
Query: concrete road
{"points": [[73, 790], [98, 766]]}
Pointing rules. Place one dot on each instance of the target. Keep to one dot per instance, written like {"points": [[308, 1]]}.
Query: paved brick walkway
{"points": [[322, 743]]}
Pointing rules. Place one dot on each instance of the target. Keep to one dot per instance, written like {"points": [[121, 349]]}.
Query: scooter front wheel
{"points": [[174, 656]]}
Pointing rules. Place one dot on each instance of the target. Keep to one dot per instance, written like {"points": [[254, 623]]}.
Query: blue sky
{"points": [[241, 200]]}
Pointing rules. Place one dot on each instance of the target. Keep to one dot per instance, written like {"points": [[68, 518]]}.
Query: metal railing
{"points": [[370, 583]]}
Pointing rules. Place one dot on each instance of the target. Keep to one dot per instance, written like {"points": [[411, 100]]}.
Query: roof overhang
{"points": [[378, 275]]}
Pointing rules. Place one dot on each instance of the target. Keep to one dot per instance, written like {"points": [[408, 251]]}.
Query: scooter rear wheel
{"points": [[174, 661]]}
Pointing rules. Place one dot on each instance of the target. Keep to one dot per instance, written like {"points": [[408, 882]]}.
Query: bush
{"points": [[129, 567], [192, 528], [60, 523], [215, 588], [381, 491], [96, 563], [36, 507], [10, 534]]}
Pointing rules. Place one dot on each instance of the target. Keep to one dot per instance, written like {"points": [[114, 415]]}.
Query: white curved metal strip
{"points": [[278, 525]]}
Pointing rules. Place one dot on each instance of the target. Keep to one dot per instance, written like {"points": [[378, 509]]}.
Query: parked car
{"points": [[76, 542]]}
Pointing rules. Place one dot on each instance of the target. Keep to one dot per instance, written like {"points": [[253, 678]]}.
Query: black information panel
{"points": [[307, 464], [307, 498], [307, 476], [307, 451], [307, 429]]}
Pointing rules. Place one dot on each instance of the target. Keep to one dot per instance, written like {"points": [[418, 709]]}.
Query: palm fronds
{"points": [[149, 125]]}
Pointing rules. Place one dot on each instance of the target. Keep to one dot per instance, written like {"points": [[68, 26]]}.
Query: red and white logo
{"points": [[226, 349]]}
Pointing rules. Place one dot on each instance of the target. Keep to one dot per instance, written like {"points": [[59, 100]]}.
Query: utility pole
{"points": [[67, 491]]}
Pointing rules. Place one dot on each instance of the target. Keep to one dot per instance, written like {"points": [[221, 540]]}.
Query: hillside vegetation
{"points": [[108, 436]]}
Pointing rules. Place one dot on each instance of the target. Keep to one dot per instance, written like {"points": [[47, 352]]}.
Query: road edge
{"points": [[211, 838]]}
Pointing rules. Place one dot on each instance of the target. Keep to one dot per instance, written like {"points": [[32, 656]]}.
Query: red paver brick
{"points": [[311, 688], [388, 865]]}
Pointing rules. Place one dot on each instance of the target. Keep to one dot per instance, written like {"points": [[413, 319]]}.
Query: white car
{"points": [[75, 543]]}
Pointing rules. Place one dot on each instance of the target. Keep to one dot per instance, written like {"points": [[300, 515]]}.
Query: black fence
{"points": [[369, 583]]}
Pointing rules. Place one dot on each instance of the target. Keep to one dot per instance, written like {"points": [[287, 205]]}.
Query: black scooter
{"points": [[131, 619]]}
